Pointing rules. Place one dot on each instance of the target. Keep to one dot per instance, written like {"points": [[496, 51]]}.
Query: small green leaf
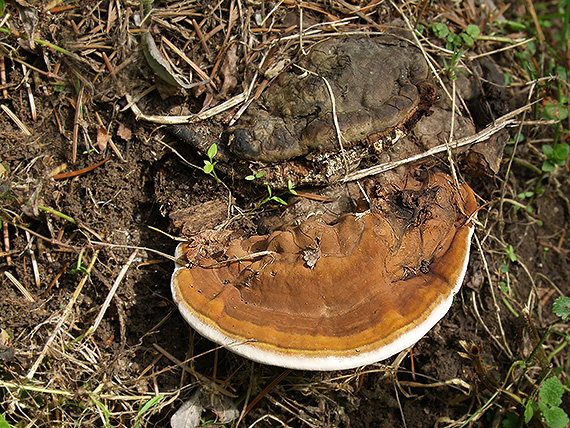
{"points": [[453, 39], [525, 195], [290, 187], [561, 307], [250, 177], [473, 31], [3, 422], [555, 111], [511, 420], [528, 411], [269, 190], [548, 166], [279, 200], [561, 152], [440, 30], [543, 407], [504, 268], [259, 174], [562, 72], [149, 405], [551, 391], [511, 253], [209, 167], [555, 417], [468, 40], [212, 151], [548, 151]]}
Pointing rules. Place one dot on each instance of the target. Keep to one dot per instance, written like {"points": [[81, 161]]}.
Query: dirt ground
{"points": [[141, 362]]}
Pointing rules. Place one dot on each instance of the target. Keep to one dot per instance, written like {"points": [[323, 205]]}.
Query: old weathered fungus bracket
{"points": [[323, 296]]}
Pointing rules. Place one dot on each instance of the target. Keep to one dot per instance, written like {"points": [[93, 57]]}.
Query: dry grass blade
{"points": [[174, 120], [63, 317], [20, 287], [110, 295], [16, 120]]}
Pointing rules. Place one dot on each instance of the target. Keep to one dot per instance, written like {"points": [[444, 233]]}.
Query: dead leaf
{"points": [[188, 415], [103, 138], [124, 132]]}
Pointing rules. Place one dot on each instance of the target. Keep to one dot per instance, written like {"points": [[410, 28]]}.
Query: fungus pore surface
{"points": [[320, 296]]}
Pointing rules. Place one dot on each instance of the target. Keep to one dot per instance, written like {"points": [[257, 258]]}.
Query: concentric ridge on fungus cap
{"points": [[330, 297]]}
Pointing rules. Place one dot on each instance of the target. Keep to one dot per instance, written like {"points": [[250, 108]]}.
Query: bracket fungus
{"points": [[364, 88], [320, 296]]}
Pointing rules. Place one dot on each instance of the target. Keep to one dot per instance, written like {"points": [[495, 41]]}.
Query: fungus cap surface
{"points": [[323, 296], [377, 84]]}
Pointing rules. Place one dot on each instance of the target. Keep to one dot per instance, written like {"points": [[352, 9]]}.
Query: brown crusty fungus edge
{"points": [[327, 353]]}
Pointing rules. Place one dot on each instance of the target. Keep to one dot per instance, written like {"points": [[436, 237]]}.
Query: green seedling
{"points": [[511, 253], [255, 176], [56, 213], [148, 407], [561, 308], [548, 404], [271, 197], [290, 188], [79, 266], [556, 155], [458, 43], [556, 111], [525, 195], [209, 164]]}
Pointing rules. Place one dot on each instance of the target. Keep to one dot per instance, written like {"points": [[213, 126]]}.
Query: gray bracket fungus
{"points": [[378, 84], [322, 296]]}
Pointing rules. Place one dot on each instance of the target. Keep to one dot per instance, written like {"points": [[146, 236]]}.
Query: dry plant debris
{"points": [[89, 334]]}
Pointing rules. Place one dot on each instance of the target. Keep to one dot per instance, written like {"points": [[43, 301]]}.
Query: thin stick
{"points": [[336, 125], [201, 37], [3, 77], [34, 261], [510, 163], [80, 171], [64, 316], [450, 140], [6, 234], [78, 108], [496, 126], [530, 9], [489, 332], [26, 80], [191, 63], [111, 294], [177, 120], [111, 142], [265, 391]]}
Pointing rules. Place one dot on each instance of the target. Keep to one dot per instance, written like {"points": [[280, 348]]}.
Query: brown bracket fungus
{"points": [[320, 296]]}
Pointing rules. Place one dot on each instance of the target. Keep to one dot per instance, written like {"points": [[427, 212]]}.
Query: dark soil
{"points": [[130, 357]]}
